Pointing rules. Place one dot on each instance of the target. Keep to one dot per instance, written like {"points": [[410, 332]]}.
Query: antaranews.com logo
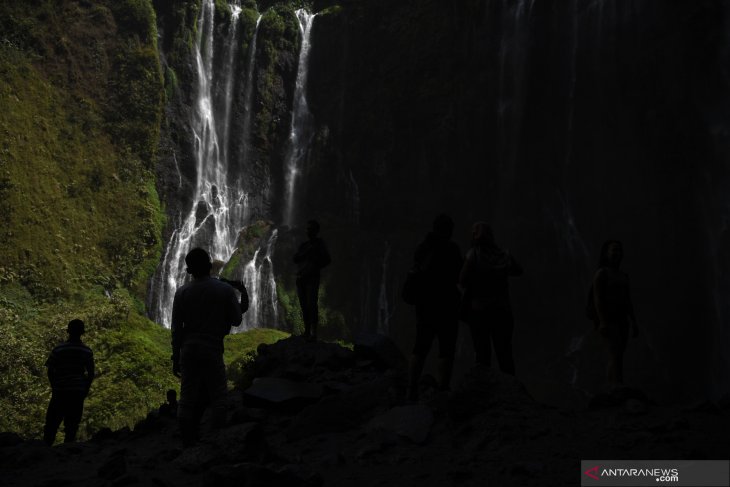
{"points": [[660, 474], [639, 473]]}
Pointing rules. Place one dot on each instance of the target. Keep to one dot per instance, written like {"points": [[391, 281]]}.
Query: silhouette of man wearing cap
{"points": [[203, 312], [70, 371]]}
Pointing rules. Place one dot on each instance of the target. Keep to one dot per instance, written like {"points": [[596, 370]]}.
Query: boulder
{"points": [[344, 411], [412, 422], [485, 388], [9, 439], [281, 394], [296, 359], [618, 398], [115, 466], [254, 475], [381, 349], [243, 442]]}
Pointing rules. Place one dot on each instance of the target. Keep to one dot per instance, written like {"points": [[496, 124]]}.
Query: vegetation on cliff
{"points": [[82, 93]]}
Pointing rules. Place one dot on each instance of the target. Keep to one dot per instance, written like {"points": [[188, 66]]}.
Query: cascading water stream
{"points": [[219, 208], [300, 134], [248, 93], [258, 277]]}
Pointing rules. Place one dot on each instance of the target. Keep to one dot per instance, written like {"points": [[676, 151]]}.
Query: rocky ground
{"points": [[322, 415]]}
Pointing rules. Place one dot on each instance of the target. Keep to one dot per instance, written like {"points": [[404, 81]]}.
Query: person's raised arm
{"points": [[243, 303]]}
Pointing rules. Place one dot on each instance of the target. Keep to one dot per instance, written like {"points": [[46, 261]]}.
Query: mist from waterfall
{"points": [[300, 134]]}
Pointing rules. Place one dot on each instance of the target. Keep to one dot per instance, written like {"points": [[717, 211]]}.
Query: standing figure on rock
{"points": [[203, 312], [614, 311], [70, 371], [486, 304], [310, 258], [437, 262]]}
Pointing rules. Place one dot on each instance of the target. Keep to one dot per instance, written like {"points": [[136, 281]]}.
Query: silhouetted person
{"points": [[310, 258], [203, 312], [613, 307], [437, 261], [70, 371], [486, 302], [169, 408]]}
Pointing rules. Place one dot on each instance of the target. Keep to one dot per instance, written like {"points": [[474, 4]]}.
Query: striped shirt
{"points": [[71, 367]]}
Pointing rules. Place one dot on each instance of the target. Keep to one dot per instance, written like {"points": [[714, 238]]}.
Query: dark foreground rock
{"points": [[352, 426]]}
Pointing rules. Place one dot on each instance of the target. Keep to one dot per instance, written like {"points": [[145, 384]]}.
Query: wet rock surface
{"points": [[358, 430]]}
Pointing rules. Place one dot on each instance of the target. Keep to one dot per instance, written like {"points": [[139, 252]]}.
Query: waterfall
{"points": [[219, 208], [513, 54], [300, 134], [248, 93], [258, 277]]}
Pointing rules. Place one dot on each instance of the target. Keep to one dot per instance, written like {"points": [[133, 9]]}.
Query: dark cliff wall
{"points": [[562, 124]]}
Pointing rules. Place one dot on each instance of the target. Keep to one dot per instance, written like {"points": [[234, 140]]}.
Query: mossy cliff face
{"points": [[82, 96]]}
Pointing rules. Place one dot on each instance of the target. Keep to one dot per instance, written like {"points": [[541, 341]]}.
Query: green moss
{"points": [[289, 303], [81, 233], [182, 25], [240, 351], [231, 265], [132, 358], [171, 83], [136, 17], [247, 28], [134, 114], [131, 353], [278, 32], [250, 240], [222, 12], [331, 322]]}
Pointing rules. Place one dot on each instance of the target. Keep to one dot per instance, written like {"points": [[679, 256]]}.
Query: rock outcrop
{"points": [[345, 422]]}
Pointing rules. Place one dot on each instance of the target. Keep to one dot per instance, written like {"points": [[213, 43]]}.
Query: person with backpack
{"points": [[437, 261], [70, 371], [611, 309], [486, 303]]}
